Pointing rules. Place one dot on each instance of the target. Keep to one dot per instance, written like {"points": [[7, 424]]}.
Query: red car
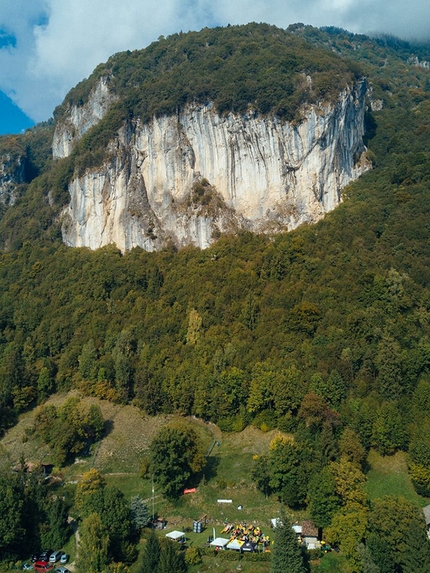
{"points": [[43, 566]]}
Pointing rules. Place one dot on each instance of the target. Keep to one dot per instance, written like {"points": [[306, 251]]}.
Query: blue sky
{"points": [[12, 119], [48, 46]]}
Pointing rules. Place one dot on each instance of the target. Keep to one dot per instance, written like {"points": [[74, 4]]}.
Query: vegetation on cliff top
{"points": [[238, 68]]}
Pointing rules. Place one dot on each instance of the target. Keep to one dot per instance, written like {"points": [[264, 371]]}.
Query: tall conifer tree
{"points": [[151, 555], [416, 556], [171, 561], [287, 555]]}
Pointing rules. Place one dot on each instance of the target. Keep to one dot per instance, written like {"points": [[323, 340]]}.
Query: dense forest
{"points": [[323, 332]]}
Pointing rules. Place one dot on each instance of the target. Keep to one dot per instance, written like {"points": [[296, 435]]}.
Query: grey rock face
{"points": [[82, 118], [189, 177], [12, 173]]}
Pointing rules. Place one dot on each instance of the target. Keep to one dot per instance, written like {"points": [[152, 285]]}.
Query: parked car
{"points": [[35, 557], [55, 556], [61, 570], [45, 555], [64, 558], [43, 566], [27, 566]]}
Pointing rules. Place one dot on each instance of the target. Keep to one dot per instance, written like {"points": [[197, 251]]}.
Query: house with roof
{"points": [[310, 535]]}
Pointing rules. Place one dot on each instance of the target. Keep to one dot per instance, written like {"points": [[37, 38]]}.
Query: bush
{"points": [[265, 420], [230, 555], [193, 556]]}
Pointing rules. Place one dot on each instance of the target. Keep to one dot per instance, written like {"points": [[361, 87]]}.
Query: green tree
{"points": [[176, 456], [45, 383], [287, 472], [323, 501], [348, 529], [420, 476], [389, 433], [350, 481], [261, 474], [55, 530], [380, 553], [367, 563], [333, 389], [388, 362], [94, 497], [88, 361], [94, 423], [416, 557], [93, 545], [419, 456], [150, 554], [117, 519], [351, 448], [286, 553], [392, 523], [69, 429], [171, 559], [11, 526]]}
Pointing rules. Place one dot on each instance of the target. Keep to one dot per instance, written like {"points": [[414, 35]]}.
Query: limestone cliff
{"points": [[81, 118], [12, 173], [189, 177]]}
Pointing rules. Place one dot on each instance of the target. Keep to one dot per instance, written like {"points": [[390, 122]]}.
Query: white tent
{"points": [[176, 535], [219, 542]]}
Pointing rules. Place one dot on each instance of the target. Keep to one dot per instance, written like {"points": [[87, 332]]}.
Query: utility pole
{"points": [[153, 499]]}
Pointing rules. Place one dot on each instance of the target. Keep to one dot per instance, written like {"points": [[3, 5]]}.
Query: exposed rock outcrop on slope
{"points": [[189, 177], [12, 173]]}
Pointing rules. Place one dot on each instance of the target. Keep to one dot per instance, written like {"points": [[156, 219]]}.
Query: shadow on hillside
{"points": [[210, 470], [107, 428]]}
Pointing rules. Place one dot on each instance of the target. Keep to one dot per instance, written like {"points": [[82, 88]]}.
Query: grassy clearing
{"points": [[389, 476], [331, 563], [121, 452]]}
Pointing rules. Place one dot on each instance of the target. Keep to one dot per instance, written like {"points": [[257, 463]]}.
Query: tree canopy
{"points": [[176, 457]]}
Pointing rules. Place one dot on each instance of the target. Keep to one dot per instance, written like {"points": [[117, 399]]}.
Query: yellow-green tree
{"points": [[93, 545]]}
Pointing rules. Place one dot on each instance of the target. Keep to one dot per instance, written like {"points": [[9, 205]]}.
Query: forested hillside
{"points": [[323, 332]]}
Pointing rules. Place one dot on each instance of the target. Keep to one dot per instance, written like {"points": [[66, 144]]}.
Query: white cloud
{"points": [[59, 43]]}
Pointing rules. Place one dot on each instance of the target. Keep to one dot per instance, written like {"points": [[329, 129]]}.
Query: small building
{"points": [[426, 511], [310, 535], [158, 523]]}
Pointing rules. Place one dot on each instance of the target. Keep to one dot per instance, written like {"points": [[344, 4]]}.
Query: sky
{"points": [[48, 46]]}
